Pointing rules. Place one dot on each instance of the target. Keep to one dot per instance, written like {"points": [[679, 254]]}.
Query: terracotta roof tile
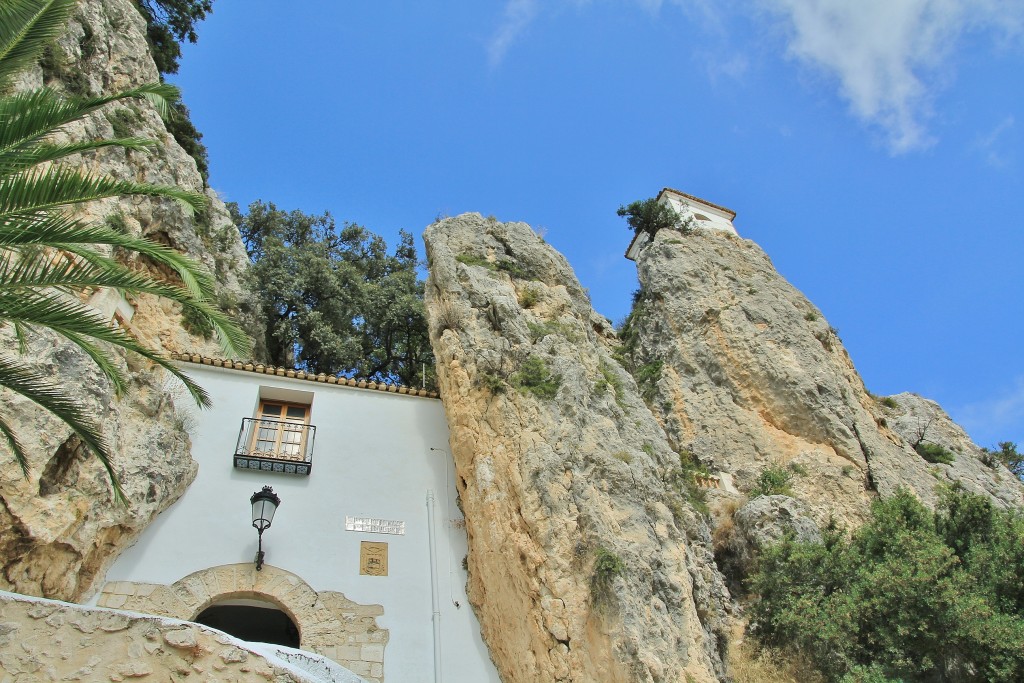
{"points": [[260, 368]]}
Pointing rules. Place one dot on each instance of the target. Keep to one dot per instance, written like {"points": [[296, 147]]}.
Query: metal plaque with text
{"points": [[371, 525]]}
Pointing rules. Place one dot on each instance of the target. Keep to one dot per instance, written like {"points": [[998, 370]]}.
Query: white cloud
{"points": [[517, 16], [889, 56], [996, 419], [991, 147], [734, 67]]}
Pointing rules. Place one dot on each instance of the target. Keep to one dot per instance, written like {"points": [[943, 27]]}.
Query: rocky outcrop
{"points": [[586, 560], [59, 527], [42, 640], [917, 419], [747, 374], [765, 520]]}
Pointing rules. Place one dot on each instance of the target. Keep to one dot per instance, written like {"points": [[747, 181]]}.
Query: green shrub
{"points": [[179, 124], [56, 66], [1007, 455], [889, 402], [913, 595], [116, 221], [124, 121], [774, 481], [195, 324], [535, 377], [810, 316], [649, 215], [492, 382], [683, 481], [471, 260], [515, 269], [607, 566], [933, 452], [647, 377], [529, 297], [610, 379], [798, 469]]}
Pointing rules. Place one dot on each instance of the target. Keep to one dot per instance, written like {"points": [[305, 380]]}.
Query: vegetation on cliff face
{"points": [[48, 257], [333, 299], [168, 22], [1005, 453], [649, 215], [913, 595]]}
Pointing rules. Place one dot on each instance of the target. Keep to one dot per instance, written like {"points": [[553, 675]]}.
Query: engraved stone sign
{"points": [[373, 558]]}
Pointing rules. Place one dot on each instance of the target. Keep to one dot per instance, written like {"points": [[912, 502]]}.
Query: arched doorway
{"points": [[257, 621], [326, 620]]}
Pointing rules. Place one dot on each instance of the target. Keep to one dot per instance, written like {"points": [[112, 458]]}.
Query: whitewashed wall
{"points": [[372, 458], [713, 218]]}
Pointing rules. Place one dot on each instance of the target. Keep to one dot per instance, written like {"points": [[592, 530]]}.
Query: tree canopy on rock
{"points": [[168, 22], [649, 215], [333, 299]]}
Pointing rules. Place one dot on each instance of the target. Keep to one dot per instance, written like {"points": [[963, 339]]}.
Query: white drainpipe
{"points": [[434, 602]]}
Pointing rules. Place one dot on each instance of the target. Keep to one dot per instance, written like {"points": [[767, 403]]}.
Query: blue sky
{"points": [[872, 148]]}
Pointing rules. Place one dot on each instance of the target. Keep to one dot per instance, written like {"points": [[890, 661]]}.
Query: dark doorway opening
{"points": [[253, 623]]}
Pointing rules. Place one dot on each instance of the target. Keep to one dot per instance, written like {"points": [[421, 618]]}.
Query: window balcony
{"points": [[275, 446]]}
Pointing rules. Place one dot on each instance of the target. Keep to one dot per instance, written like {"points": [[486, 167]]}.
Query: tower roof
{"points": [[730, 212]]}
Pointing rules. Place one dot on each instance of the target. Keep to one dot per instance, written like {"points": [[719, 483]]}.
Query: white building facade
{"points": [[364, 561], [703, 213]]}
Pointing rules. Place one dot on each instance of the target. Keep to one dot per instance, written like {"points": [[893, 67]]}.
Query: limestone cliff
{"points": [[59, 528], [746, 373], [586, 561]]}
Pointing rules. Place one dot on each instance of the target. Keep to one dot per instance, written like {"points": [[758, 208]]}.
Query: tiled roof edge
{"points": [[260, 368], [698, 199]]}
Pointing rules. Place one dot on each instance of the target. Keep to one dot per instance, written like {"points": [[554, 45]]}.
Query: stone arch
{"points": [[287, 591], [329, 623]]}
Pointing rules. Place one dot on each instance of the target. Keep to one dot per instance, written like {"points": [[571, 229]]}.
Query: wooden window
{"points": [[281, 430]]}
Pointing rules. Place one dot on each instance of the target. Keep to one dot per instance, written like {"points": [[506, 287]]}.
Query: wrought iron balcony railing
{"points": [[275, 446]]}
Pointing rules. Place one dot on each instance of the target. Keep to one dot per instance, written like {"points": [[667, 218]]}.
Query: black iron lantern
{"points": [[264, 505]]}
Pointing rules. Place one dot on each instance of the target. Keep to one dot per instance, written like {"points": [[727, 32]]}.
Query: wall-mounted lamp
{"points": [[264, 505]]}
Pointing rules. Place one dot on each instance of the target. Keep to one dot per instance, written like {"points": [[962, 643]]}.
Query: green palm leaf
{"points": [[95, 270], [15, 445], [26, 27], [60, 231], [19, 379], [30, 117], [76, 321], [34, 191], [49, 258], [32, 155]]}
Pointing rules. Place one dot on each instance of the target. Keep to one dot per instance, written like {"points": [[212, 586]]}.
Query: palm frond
{"points": [[18, 275], [75, 321], [15, 445], [22, 339], [71, 272], [26, 28], [32, 192], [29, 118], [61, 231], [31, 155], [102, 358], [22, 380], [38, 283]]}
